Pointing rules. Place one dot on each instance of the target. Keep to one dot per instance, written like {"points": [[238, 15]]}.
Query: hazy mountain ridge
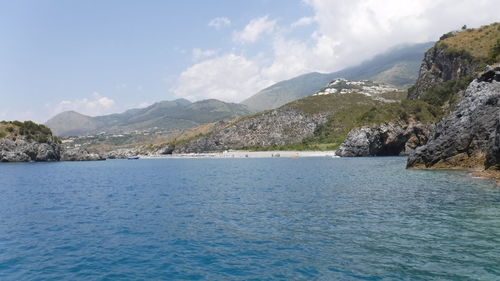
{"points": [[166, 115], [398, 66]]}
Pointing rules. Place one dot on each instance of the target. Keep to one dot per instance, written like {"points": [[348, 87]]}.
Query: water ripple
{"points": [[246, 219]]}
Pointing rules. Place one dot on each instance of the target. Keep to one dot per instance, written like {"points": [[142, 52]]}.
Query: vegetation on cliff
{"points": [[30, 130], [481, 43]]}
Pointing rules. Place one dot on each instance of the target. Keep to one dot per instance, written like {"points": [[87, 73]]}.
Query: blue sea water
{"points": [[246, 219]]}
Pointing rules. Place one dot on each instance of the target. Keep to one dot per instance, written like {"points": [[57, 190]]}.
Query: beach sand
{"points": [[250, 154]]}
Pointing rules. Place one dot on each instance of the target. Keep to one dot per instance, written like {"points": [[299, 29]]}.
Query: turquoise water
{"points": [[246, 219]]}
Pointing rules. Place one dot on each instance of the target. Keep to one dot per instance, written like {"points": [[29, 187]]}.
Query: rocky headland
{"points": [[387, 139], [469, 137], [28, 141], [464, 134]]}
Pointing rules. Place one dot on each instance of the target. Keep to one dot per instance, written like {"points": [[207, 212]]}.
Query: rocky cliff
{"points": [[387, 139], [28, 141], [468, 137], [277, 127], [23, 150], [440, 64], [79, 154], [446, 71]]}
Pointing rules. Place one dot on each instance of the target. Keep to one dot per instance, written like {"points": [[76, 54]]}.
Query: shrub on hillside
{"points": [[446, 92]]}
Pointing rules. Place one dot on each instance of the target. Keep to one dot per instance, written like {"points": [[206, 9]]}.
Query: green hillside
{"points": [[481, 43]]}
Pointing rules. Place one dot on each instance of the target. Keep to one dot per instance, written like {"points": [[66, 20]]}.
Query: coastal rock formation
{"points": [[23, 150], [277, 127], [468, 137], [165, 150], [123, 153], [28, 141], [440, 65], [387, 139], [79, 154], [493, 155]]}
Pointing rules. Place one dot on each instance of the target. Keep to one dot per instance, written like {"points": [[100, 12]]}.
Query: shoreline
{"points": [[246, 154]]}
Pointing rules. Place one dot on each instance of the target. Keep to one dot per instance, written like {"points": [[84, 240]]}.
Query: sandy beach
{"points": [[251, 154]]}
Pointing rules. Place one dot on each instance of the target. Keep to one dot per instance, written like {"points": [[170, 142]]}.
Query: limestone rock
{"points": [[276, 127], [468, 137], [440, 65], [24, 150], [122, 153], [387, 139], [493, 154], [80, 154]]}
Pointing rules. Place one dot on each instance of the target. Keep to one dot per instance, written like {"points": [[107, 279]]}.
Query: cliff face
{"points": [[468, 137], [23, 150], [493, 155], [387, 139], [79, 155], [445, 72], [28, 141], [440, 64], [277, 127]]}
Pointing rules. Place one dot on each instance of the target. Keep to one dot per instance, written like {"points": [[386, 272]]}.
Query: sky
{"points": [[105, 56]]}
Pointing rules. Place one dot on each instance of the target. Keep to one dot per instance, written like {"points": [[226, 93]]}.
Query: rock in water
{"points": [[123, 153], [387, 139], [468, 137], [23, 150], [79, 154]]}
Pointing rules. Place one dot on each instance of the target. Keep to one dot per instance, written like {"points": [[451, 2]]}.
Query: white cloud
{"points": [[254, 29], [200, 54], [346, 33], [303, 22], [144, 104], [363, 28], [229, 78], [219, 22], [98, 105]]}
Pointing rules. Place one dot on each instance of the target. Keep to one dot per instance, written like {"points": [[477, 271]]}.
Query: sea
{"points": [[246, 219]]}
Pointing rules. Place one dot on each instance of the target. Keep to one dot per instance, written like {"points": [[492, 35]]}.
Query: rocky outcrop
{"points": [[493, 154], [387, 139], [440, 65], [277, 127], [123, 153], [79, 154], [468, 137], [165, 150], [22, 150]]}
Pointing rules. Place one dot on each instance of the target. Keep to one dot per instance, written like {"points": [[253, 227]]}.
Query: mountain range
{"points": [[162, 116], [398, 66]]}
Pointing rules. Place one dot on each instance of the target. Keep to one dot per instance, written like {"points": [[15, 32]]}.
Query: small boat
{"points": [[133, 158]]}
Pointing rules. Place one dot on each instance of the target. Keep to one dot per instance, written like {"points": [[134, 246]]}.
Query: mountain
{"points": [[323, 118], [398, 66], [162, 116]]}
